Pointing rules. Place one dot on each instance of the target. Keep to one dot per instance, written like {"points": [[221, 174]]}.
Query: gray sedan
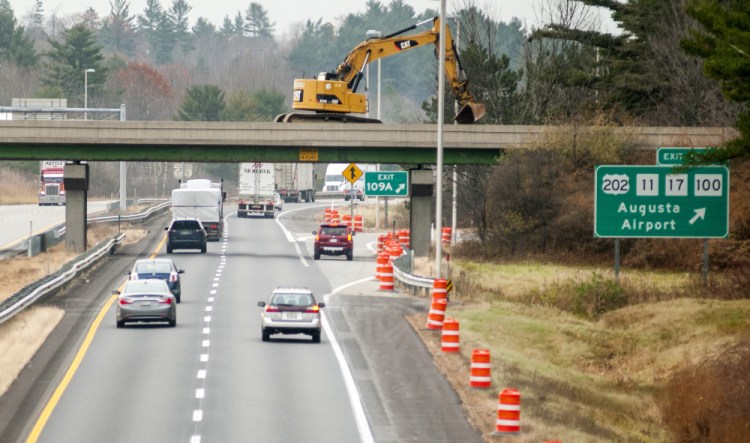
{"points": [[146, 301]]}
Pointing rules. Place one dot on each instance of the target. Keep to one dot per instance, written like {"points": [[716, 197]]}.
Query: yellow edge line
{"points": [[52, 402]]}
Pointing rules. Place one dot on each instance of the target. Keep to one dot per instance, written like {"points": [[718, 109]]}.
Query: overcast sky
{"points": [[283, 12]]}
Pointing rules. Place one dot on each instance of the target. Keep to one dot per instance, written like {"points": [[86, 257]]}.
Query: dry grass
{"points": [[583, 379], [20, 338], [17, 188]]}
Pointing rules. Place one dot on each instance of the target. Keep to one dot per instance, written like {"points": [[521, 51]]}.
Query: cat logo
{"points": [[406, 44]]}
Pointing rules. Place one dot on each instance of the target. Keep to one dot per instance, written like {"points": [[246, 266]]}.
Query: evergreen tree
{"points": [[202, 103], [257, 23], [724, 44], [203, 29], [91, 20], [15, 46], [68, 59], [178, 15], [227, 28], [239, 24], [117, 31], [165, 40]]}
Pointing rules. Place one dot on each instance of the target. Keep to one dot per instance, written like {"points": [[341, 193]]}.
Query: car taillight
{"points": [[270, 308], [317, 238], [349, 237], [166, 300], [173, 277], [214, 226], [125, 301], [312, 309]]}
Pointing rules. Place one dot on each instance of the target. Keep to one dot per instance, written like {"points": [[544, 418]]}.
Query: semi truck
{"points": [[257, 189], [201, 200], [295, 182], [52, 189]]}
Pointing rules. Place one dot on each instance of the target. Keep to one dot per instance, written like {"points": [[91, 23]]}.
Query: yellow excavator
{"points": [[332, 96]]}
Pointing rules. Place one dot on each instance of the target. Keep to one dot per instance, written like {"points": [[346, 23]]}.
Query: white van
{"points": [[334, 180]]}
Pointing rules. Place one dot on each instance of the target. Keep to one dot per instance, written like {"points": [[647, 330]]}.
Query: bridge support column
{"points": [[420, 210], [76, 181]]}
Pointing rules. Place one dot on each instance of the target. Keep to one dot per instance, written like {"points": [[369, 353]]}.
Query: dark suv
{"points": [[186, 234], [334, 239]]}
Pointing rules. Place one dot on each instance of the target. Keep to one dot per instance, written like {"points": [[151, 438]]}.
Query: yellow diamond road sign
{"points": [[352, 173]]}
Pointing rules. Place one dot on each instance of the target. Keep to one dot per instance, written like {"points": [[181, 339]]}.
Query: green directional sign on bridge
{"points": [[387, 183], [656, 201]]}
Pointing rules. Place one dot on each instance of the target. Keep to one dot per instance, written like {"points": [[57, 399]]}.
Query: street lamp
{"points": [[86, 92], [373, 33]]}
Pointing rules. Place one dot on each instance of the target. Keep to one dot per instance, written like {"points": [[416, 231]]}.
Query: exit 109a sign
{"points": [[656, 201], [387, 183]]}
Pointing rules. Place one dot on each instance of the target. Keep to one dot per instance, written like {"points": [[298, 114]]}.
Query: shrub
{"points": [[588, 299]]}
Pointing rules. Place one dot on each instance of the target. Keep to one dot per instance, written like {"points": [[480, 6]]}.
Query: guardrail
{"points": [[402, 271], [42, 288], [130, 217]]}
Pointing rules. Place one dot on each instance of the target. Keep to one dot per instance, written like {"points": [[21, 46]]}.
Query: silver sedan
{"points": [[146, 301]]}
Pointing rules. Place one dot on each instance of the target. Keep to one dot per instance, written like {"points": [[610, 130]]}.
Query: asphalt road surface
{"points": [[212, 379]]}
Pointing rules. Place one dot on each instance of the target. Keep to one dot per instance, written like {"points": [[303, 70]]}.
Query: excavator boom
{"points": [[334, 94]]}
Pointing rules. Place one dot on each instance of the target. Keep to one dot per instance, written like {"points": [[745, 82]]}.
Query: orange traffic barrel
{"points": [[447, 231], [327, 215], [394, 250], [358, 223], [508, 412], [450, 338], [481, 369], [381, 242], [403, 238], [440, 288], [335, 218], [381, 261], [347, 219], [386, 277], [437, 313]]}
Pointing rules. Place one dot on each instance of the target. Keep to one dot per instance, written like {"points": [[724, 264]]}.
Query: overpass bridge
{"points": [[177, 141]]}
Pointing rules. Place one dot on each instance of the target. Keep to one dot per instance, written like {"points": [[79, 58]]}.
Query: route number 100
{"points": [[708, 185]]}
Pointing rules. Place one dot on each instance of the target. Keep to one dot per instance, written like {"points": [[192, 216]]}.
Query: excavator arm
{"points": [[334, 94]]}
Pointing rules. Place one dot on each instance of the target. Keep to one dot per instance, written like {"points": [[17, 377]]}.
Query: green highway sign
{"points": [[656, 201], [675, 156], [387, 183]]}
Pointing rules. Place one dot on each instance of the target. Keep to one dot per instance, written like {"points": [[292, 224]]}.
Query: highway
{"points": [[212, 379], [16, 221]]}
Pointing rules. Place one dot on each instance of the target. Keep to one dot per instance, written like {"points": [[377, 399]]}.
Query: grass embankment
{"points": [[596, 361]]}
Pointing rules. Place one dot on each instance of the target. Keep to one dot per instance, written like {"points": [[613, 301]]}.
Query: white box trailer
{"points": [[201, 203], [295, 182], [257, 189]]}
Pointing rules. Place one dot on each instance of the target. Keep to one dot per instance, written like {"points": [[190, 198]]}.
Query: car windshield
{"points": [[292, 299], [138, 286], [153, 268], [327, 230]]}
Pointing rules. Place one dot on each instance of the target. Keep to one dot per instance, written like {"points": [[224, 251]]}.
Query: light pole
{"points": [[440, 116], [86, 92], [373, 33]]}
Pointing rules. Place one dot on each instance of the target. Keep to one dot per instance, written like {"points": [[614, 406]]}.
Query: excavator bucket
{"points": [[470, 113]]}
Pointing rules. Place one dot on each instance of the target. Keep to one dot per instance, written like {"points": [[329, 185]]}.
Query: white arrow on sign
{"points": [[400, 187], [700, 213]]}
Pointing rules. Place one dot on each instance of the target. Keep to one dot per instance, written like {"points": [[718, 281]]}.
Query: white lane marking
{"points": [[213, 292], [209, 308], [204, 358], [214, 285], [200, 393], [290, 237], [197, 415], [355, 400], [207, 319], [201, 373], [210, 299], [206, 330], [206, 343], [195, 439], [216, 278]]}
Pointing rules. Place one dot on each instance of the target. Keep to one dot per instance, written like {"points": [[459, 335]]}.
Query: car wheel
{"points": [[316, 255], [349, 255], [265, 336], [169, 249], [203, 249], [120, 323], [172, 323], [177, 298], [316, 337]]}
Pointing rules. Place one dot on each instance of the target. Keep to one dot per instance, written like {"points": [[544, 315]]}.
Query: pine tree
{"points": [[68, 60], [117, 31], [178, 15], [202, 103], [257, 23], [15, 45]]}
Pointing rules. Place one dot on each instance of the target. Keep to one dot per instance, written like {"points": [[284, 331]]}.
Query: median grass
{"points": [[599, 361]]}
